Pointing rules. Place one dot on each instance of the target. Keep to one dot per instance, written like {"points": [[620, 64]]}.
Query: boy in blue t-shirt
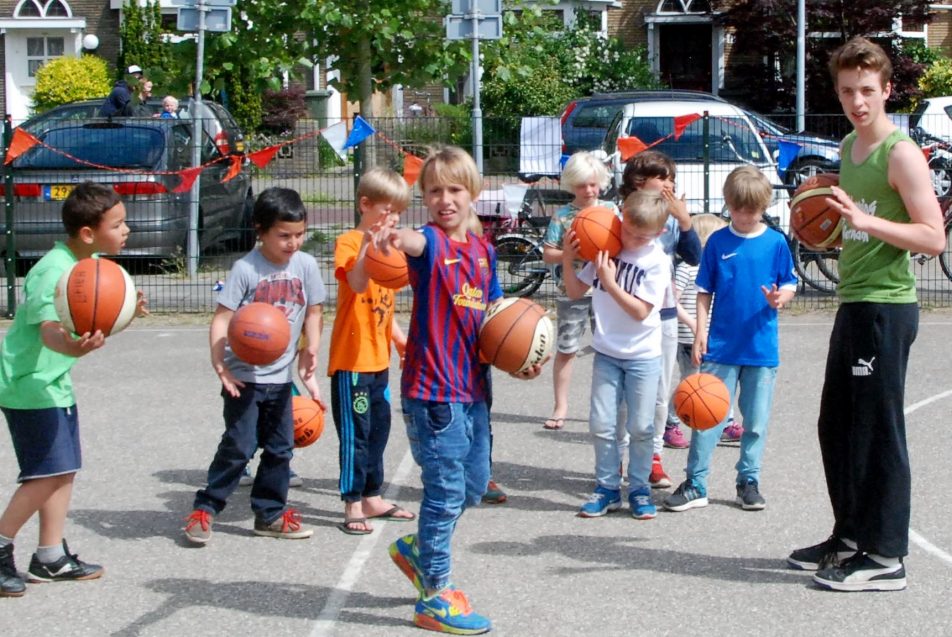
{"points": [[747, 271]]}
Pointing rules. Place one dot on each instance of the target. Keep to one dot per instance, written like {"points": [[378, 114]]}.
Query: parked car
{"points": [[817, 154], [141, 156], [934, 116], [732, 141]]}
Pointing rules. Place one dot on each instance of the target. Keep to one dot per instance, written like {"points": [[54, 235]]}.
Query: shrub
{"points": [[937, 80], [67, 79], [282, 109]]}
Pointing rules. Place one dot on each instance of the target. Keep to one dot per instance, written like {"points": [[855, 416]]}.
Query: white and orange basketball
{"points": [[95, 294]]}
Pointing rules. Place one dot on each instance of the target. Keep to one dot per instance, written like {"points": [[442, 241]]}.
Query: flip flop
{"points": [[344, 526], [554, 424], [390, 514]]}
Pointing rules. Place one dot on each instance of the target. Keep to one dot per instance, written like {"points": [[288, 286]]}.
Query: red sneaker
{"points": [[658, 479]]}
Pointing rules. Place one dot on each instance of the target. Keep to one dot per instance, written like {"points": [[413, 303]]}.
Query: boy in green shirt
{"points": [[36, 392]]}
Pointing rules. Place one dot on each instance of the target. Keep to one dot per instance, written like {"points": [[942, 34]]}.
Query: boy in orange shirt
{"points": [[360, 357]]}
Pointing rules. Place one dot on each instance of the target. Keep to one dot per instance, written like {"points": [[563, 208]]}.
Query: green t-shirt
{"points": [[32, 376], [870, 269]]}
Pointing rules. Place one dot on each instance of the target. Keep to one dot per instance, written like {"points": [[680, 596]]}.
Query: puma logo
{"points": [[863, 368]]}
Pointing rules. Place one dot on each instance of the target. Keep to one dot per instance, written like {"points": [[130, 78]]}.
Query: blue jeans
{"points": [[260, 416], [636, 383], [756, 386], [450, 442]]}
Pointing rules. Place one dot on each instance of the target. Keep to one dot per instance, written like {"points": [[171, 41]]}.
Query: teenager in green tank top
{"points": [[886, 200]]}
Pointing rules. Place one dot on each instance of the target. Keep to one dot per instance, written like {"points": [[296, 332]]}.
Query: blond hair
{"points": [[581, 168], [451, 165], [382, 185], [170, 100], [646, 209], [705, 225], [747, 187], [860, 53]]}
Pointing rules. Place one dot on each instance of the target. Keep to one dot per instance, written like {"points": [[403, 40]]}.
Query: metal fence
{"points": [[306, 163]]}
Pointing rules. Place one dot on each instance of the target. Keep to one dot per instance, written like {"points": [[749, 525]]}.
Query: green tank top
{"points": [[870, 269]]}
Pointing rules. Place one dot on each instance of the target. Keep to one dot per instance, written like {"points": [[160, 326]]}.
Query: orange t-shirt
{"points": [[360, 340]]}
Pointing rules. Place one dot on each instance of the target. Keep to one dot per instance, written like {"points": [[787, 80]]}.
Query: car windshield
{"points": [[114, 145], [732, 140]]}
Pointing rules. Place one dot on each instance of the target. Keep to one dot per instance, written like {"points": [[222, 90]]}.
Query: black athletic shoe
{"points": [[65, 569], [862, 573], [11, 584], [831, 552], [748, 496]]}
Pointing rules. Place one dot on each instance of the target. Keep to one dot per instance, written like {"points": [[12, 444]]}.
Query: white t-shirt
{"points": [[644, 273]]}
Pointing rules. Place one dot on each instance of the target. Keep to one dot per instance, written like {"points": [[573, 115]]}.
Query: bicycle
{"points": [[518, 242]]}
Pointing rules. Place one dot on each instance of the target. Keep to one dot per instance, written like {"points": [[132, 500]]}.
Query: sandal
{"points": [[391, 514], [554, 424], [346, 527]]}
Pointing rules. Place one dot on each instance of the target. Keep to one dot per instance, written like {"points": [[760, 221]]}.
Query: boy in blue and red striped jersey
{"points": [[444, 384]]}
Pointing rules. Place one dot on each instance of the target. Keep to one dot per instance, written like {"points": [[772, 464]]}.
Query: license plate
{"points": [[57, 192]]}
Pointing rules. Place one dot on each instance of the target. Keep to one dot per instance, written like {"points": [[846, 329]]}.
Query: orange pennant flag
{"points": [[22, 141], [234, 169], [683, 121], [411, 168], [189, 175], [263, 157], [629, 147]]}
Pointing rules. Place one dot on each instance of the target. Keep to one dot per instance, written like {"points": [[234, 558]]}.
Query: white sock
{"points": [[5, 541], [884, 561], [850, 544], [49, 554]]}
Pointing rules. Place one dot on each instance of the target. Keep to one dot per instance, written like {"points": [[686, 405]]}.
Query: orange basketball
{"points": [[388, 270], [95, 294], [308, 420], [702, 401], [259, 333], [515, 335], [597, 228], [814, 222]]}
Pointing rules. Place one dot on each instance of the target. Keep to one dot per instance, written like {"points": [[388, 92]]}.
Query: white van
{"points": [[731, 141]]}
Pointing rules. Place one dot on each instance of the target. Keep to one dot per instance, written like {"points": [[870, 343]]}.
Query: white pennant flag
{"points": [[336, 136]]}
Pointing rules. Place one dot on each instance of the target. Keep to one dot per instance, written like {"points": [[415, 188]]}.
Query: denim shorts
{"points": [[46, 441]]}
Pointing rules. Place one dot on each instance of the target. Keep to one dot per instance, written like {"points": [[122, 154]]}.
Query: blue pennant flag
{"points": [[788, 152], [361, 131], [562, 160]]}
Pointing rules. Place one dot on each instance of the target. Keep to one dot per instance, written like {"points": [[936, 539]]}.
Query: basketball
{"points": [[95, 294], [515, 335], [813, 222], [702, 401], [597, 228], [308, 420], [388, 270], [259, 333]]}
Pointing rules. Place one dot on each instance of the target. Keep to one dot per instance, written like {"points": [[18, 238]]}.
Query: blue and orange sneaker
{"points": [[449, 611], [406, 556]]}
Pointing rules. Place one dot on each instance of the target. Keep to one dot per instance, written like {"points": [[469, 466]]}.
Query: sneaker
{"points": [[862, 573], [286, 526], [748, 496], [732, 432], [295, 480], [405, 555], [494, 495], [658, 479], [832, 552], [66, 569], [198, 526], [450, 612], [642, 508], [600, 503], [11, 584], [674, 439], [246, 479], [686, 496]]}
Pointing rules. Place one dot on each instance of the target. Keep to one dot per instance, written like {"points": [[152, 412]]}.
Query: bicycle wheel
{"points": [[519, 265], [816, 268], [945, 258]]}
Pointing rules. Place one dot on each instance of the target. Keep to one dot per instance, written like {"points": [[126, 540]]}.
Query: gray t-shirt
{"points": [[292, 288]]}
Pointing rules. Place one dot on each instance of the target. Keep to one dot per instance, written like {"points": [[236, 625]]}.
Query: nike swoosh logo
{"points": [[725, 257], [451, 261]]}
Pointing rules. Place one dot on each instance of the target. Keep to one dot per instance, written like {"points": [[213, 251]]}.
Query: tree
{"points": [[67, 79], [764, 74], [142, 41]]}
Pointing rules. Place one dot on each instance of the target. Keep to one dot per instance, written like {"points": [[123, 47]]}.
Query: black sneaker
{"points": [[11, 584], [66, 569], [748, 496], [686, 496], [830, 553], [862, 573]]}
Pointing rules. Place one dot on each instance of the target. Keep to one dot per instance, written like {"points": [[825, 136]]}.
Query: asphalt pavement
{"points": [[151, 417]]}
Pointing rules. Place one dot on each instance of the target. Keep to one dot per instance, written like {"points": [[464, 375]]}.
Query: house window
{"points": [[40, 50], [42, 9], [684, 6]]}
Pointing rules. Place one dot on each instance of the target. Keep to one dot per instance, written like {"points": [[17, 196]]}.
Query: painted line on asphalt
{"points": [[327, 619], [916, 538]]}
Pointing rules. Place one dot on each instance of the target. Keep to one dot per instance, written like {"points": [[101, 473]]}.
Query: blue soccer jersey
{"points": [[743, 328], [453, 283]]}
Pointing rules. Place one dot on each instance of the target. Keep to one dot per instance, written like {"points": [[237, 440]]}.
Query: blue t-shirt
{"points": [[743, 327]]}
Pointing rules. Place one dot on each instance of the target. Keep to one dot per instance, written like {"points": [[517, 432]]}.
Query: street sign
{"points": [[460, 28], [485, 7], [215, 19], [208, 3]]}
